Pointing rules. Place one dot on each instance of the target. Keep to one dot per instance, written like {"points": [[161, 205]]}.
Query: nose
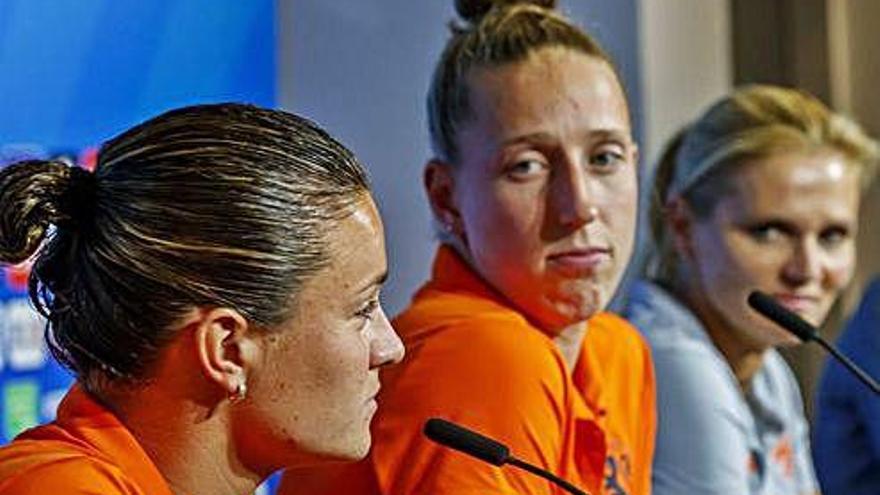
{"points": [[572, 197], [385, 347], [805, 263]]}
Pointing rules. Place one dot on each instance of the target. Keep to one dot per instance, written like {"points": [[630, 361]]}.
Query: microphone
{"points": [[486, 449], [775, 312]]}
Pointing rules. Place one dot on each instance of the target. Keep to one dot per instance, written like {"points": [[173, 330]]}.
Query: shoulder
{"points": [[490, 371], [613, 348], [609, 329], [661, 318], [860, 337], [482, 354], [33, 467], [697, 384], [490, 366], [455, 331], [703, 426]]}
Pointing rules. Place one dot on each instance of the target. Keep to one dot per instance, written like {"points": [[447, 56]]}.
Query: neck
{"points": [[189, 444], [569, 341], [744, 358]]}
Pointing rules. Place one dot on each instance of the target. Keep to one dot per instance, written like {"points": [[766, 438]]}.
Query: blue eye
{"points": [[768, 232], [834, 236], [525, 169], [606, 158]]}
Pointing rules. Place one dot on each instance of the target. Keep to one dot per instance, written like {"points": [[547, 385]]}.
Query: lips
{"points": [[798, 303], [581, 261], [372, 396]]}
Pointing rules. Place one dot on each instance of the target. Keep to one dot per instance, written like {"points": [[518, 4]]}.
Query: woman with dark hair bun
{"points": [[533, 189], [214, 287]]}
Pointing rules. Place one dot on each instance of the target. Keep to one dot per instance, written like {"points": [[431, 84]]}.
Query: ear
{"points": [[679, 223], [225, 347], [439, 180]]}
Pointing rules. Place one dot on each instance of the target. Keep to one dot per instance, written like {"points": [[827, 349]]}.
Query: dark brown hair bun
{"points": [[474, 10]]}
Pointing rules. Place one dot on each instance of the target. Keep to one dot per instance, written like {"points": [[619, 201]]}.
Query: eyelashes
{"points": [[533, 163], [368, 311], [769, 232]]}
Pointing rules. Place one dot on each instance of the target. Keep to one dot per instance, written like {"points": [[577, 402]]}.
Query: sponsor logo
{"points": [[618, 469], [783, 456]]}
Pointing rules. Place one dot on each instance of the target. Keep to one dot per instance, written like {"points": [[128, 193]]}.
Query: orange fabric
{"points": [[474, 360], [86, 450]]}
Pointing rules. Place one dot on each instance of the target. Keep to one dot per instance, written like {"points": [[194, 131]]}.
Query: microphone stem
{"points": [[860, 374], [544, 474]]}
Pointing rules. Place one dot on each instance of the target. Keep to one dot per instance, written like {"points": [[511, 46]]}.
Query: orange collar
{"points": [[451, 273], [86, 419]]}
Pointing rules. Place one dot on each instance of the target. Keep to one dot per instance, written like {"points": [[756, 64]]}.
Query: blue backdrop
{"points": [[75, 72]]}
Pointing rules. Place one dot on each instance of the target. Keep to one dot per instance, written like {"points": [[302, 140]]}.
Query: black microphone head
{"points": [[470, 442], [769, 308]]}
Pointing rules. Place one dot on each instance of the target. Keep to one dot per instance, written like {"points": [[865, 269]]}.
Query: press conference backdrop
{"points": [[75, 72]]}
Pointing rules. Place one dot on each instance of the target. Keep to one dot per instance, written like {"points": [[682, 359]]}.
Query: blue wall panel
{"points": [[75, 72]]}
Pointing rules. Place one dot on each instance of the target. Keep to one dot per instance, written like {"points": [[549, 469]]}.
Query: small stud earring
{"points": [[240, 392]]}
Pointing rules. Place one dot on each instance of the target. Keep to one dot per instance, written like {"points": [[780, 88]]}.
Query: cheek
{"points": [[622, 191], [504, 216], [731, 266], [347, 359], [840, 267], [623, 215], [334, 365]]}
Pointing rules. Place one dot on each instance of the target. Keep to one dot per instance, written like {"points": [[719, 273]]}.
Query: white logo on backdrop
{"points": [[21, 336]]}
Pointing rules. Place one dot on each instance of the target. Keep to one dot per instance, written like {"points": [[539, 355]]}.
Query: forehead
{"points": [[553, 84], [356, 256], [819, 183]]}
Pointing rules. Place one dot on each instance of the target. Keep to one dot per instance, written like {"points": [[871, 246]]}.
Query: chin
{"points": [[360, 451], [346, 453], [817, 318], [788, 343], [359, 444], [580, 302], [777, 337]]}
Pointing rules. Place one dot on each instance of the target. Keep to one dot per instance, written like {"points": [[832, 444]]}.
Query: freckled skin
{"points": [[312, 396]]}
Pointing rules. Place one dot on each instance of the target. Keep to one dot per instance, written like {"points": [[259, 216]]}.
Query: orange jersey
{"points": [[474, 360], [85, 450]]}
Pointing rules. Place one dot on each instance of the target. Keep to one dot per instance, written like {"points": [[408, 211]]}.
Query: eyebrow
{"points": [[378, 280], [620, 134]]}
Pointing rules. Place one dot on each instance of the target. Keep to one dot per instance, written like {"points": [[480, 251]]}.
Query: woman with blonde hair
{"points": [[533, 188], [761, 192], [214, 287]]}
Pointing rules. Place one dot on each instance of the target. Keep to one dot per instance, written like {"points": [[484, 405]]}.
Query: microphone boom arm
{"points": [[767, 307]]}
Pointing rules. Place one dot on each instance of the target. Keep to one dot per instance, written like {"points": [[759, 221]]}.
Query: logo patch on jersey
{"points": [[618, 469], [783, 456]]}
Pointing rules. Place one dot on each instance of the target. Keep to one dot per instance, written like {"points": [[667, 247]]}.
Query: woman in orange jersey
{"points": [[533, 190], [214, 287]]}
